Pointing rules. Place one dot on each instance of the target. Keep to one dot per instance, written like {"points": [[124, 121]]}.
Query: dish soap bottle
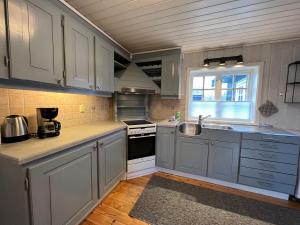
{"points": [[178, 116]]}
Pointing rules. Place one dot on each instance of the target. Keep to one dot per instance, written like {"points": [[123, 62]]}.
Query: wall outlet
{"points": [[81, 108]]}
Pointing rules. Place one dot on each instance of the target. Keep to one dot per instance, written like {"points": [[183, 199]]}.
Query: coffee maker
{"points": [[47, 126]]}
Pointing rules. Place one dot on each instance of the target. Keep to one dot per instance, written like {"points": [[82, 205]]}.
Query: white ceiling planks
{"points": [[144, 25]]}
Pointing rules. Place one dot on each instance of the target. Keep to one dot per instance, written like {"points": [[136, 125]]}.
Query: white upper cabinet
{"points": [[79, 53], [36, 41], [3, 50], [104, 66]]}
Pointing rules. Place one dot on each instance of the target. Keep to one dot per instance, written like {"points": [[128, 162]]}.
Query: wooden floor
{"points": [[115, 207]]}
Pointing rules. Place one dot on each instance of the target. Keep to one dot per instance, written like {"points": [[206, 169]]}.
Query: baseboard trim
{"points": [[227, 184]]}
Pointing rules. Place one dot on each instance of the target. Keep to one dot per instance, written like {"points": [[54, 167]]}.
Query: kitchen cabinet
{"points": [[170, 76], [63, 189], [79, 54], [3, 49], [192, 155], [36, 44], [269, 162], [223, 161], [111, 160], [104, 66], [165, 147]]}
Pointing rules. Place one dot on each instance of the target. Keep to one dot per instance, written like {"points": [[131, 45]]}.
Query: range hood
{"points": [[134, 81]]}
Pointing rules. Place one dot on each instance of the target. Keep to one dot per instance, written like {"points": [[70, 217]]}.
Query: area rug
{"points": [[168, 202]]}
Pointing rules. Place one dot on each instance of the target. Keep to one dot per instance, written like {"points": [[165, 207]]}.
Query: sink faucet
{"points": [[201, 118]]}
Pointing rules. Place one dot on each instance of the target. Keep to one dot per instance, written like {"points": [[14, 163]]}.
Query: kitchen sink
{"points": [[190, 129], [217, 126]]}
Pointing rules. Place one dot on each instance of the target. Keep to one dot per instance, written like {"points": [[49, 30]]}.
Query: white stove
{"points": [[141, 147]]}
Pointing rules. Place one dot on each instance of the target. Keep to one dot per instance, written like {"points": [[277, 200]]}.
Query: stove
{"points": [[141, 147]]}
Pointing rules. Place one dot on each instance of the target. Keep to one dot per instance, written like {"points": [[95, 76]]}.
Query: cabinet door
{"points": [[79, 53], [36, 41], [104, 65], [223, 161], [64, 188], [170, 77], [191, 156], [3, 48], [112, 161], [165, 147]]}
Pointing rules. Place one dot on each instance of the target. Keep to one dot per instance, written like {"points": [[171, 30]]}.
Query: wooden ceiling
{"points": [[144, 25]]}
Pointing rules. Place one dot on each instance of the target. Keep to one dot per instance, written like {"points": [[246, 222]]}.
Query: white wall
{"points": [[276, 57]]}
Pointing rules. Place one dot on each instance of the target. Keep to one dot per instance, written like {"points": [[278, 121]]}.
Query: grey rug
{"points": [[168, 202]]}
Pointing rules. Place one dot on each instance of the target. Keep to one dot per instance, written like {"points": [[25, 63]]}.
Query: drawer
{"points": [[273, 186], [269, 156], [274, 138], [271, 146], [267, 175], [269, 166]]}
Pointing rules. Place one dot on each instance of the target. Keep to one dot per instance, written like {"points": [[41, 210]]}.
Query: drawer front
{"points": [[274, 138], [273, 186], [269, 156], [269, 166], [269, 176], [271, 146]]}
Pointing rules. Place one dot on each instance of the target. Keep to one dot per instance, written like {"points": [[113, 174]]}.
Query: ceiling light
{"points": [[206, 62]]}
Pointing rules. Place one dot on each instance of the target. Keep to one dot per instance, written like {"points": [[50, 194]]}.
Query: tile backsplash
{"points": [[161, 109], [25, 102]]}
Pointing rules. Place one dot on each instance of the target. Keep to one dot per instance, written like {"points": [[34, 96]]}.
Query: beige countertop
{"points": [[33, 149]]}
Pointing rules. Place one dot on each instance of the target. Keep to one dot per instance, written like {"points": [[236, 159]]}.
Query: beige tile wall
{"points": [[25, 102], [161, 109]]}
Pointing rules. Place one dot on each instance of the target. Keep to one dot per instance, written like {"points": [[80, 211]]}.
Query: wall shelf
{"points": [[292, 91]]}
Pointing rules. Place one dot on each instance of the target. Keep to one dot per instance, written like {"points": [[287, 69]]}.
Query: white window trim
{"points": [[260, 69]]}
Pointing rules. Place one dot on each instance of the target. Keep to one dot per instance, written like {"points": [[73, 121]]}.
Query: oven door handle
{"points": [[145, 136]]}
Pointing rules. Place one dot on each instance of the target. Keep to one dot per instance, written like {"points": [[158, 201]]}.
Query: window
{"points": [[224, 93]]}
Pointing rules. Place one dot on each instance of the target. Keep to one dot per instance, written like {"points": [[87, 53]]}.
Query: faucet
{"points": [[201, 118]]}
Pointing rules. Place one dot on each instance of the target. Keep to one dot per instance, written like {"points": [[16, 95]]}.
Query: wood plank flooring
{"points": [[114, 209]]}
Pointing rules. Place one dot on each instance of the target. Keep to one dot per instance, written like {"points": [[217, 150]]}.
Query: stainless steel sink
{"points": [[217, 126], [190, 129]]}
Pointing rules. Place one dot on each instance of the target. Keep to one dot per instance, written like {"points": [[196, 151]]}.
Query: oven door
{"points": [[140, 146]]}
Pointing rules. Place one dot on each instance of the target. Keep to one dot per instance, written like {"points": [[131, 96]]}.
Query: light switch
{"points": [[81, 108]]}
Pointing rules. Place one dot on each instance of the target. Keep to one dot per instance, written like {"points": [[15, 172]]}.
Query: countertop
{"points": [[240, 128], [33, 149]]}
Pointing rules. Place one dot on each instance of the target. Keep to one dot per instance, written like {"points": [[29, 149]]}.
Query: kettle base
{"points": [[15, 139]]}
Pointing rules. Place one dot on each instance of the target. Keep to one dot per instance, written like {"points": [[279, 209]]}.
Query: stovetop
{"points": [[137, 122]]}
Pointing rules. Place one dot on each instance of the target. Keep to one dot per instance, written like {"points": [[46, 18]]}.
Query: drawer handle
{"points": [[266, 165], [265, 175], [265, 184], [264, 145], [266, 155]]}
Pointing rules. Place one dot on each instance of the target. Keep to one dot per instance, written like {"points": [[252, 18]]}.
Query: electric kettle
{"points": [[14, 129]]}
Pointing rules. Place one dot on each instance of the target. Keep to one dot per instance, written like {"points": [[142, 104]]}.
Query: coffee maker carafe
{"points": [[47, 126]]}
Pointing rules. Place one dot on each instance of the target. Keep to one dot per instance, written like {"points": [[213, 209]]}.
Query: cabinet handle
{"points": [[265, 184], [6, 61], [58, 81], [266, 165], [265, 175], [173, 69]]}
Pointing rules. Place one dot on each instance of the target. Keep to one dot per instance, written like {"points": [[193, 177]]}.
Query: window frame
{"points": [[255, 75]]}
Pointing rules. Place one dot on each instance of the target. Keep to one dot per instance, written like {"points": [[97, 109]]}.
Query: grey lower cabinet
{"points": [[36, 44], [111, 161], [63, 189], [165, 147], [170, 76], [79, 54], [104, 66], [223, 161], [3, 49], [191, 155]]}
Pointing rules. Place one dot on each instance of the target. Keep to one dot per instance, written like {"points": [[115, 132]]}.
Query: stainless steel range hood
{"points": [[134, 81]]}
